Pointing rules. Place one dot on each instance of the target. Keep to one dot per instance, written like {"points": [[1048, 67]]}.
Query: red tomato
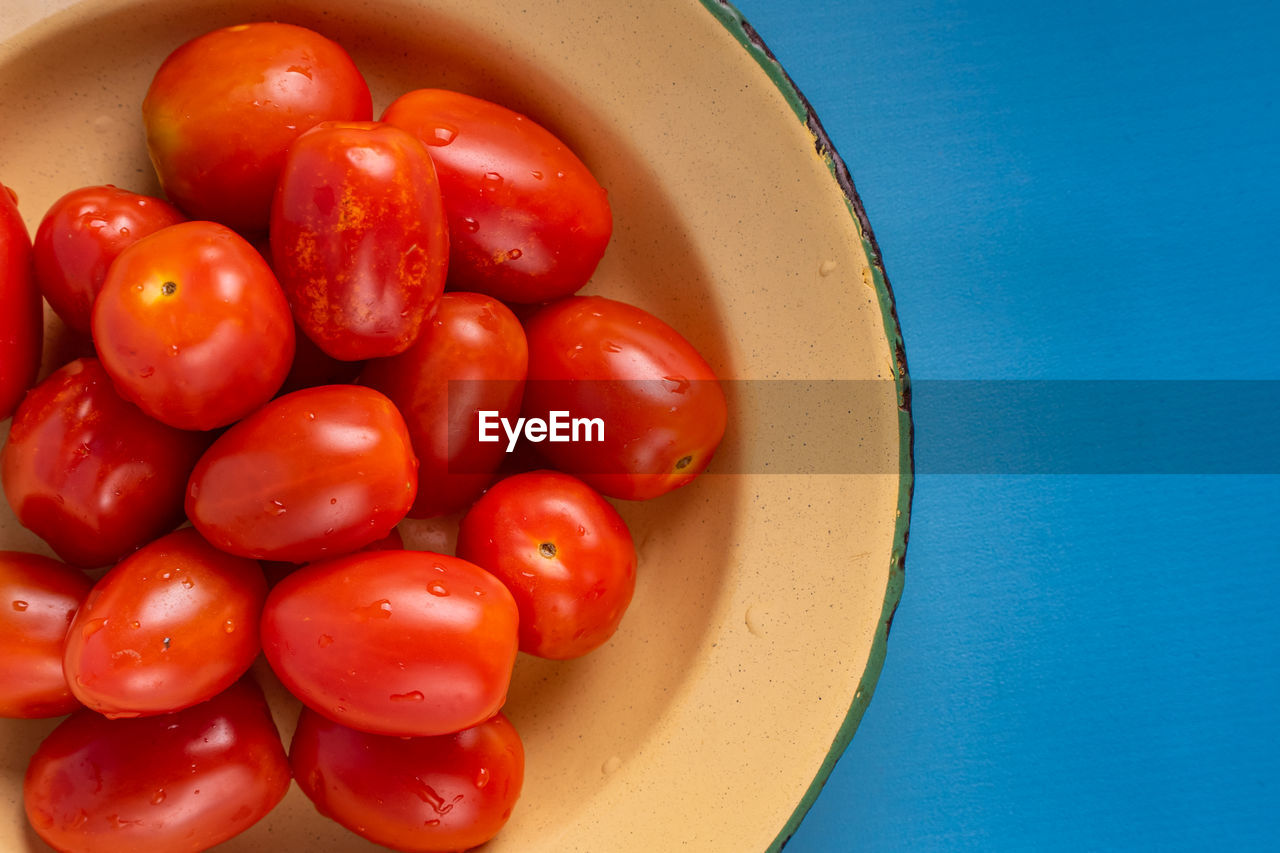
{"points": [[394, 642], [562, 550], [224, 108], [445, 793], [358, 238], [21, 311], [38, 600], [663, 411], [81, 235], [193, 327], [179, 782], [527, 220], [471, 358], [171, 625], [315, 473], [91, 474]]}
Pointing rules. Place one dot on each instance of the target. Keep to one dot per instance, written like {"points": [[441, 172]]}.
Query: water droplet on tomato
{"points": [[469, 224], [188, 583], [435, 821], [158, 797], [411, 696], [482, 777], [146, 372], [437, 588], [536, 174], [275, 508], [20, 605], [380, 609], [514, 254], [229, 626], [492, 181], [442, 135], [325, 641], [92, 627]]}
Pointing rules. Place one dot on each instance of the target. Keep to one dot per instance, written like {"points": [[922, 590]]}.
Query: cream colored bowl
{"points": [[759, 623]]}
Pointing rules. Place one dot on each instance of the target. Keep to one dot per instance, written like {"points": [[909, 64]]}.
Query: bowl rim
{"points": [[746, 35]]}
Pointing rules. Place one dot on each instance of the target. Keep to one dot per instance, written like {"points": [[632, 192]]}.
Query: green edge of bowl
{"points": [[750, 40]]}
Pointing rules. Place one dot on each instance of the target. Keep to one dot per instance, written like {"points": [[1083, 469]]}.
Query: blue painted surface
{"points": [[1088, 191]]}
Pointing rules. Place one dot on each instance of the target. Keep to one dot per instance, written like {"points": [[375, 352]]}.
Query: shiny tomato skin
{"points": [[663, 409], [38, 599], [528, 221], [89, 472], [359, 238], [193, 327], [471, 357], [562, 550], [425, 795], [223, 109], [21, 309], [179, 782], [79, 237], [315, 473], [170, 626], [404, 643]]}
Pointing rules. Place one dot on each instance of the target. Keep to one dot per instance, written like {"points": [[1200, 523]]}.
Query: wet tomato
{"points": [[405, 643], [315, 473], [171, 625], [179, 782], [81, 235], [193, 327], [38, 599], [21, 310], [528, 222], [89, 472], [562, 550], [662, 408], [445, 793], [223, 109], [471, 357], [359, 239]]}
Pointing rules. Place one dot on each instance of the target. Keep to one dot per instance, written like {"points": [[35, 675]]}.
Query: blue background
{"points": [[1078, 191]]}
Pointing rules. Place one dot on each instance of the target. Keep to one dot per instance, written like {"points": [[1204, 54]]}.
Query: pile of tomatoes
{"points": [[271, 355]]}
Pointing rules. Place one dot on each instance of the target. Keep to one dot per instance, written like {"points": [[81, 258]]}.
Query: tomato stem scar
{"points": [[684, 463], [547, 549], [169, 288]]}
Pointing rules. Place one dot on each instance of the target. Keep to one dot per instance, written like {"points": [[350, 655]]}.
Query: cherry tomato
{"points": [[193, 327], [527, 220], [315, 473], [445, 793], [171, 625], [562, 550], [179, 782], [91, 474], [471, 358], [81, 235], [38, 600], [404, 643], [663, 411], [224, 108], [358, 238], [21, 310]]}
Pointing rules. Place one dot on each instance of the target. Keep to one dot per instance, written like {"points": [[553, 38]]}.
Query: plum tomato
{"points": [[562, 550], [193, 326], [359, 238], [425, 794], [81, 235], [528, 222], [662, 408], [223, 109], [316, 473], [91, 474], [171, 625], [179, 782], [38, 599], [472, 357], [21, 309], [406, 643]]}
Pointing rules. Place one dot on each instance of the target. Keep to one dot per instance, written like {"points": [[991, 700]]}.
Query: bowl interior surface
{"points": [[761, 596]]}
